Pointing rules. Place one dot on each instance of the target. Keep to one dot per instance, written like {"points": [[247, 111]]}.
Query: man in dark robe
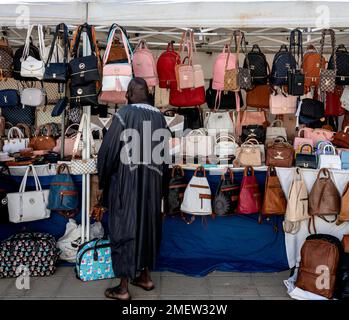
{"points": [[133, 183]]}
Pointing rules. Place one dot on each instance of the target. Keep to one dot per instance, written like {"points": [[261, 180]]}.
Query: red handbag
{"points": [[333, 105], [250, 199], [187, 97]]}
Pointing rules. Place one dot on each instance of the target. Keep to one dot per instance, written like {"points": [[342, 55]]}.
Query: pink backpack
{"points": [[144, 64], [219, 67]]}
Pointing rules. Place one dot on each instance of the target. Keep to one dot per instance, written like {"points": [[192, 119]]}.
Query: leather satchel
{"points": [[344, 212], [248, 154], [341, 138], [41, 141], [306, 160], [312, 64], [279, 154], [250, 199], [258, 97], [324, 198], [227, 195], [274, 201]]}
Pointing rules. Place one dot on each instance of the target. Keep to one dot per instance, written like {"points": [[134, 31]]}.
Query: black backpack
{"points": [[33, 52], [342, 62], [258, 65], [227, 194], [282, 63], [177, 186]]}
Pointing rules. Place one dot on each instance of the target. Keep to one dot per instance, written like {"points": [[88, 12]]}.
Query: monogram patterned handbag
{"points": [[244, 75], [231, 75], [328, 77]]}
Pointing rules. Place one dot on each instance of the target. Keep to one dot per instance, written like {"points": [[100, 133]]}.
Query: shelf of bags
{"points": [[218, 168]]}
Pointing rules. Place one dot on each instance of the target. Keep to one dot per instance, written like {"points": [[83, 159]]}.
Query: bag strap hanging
{"points": [[60, 29], [331, 33], [76, 40], [296, 46], [200, 169]]}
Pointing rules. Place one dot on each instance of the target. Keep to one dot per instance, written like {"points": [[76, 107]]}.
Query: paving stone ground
{"points": [[169, 286]]}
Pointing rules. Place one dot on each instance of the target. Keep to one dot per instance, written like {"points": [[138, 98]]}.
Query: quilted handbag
{"points": [[30, 66], [9, 98], [342, 65], [274, 200], [19, 250], [312, 108], [328, 76], [306, 160], [19, 114], [258, 65], [250, 198], [197, 198], [25, 206], [177, 185], [93, 261], [83, 166], [282, 103], [274, 131], [44, 116], [227, 195]]}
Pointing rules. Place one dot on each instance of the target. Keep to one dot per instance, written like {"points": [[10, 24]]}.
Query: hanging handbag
{"points": [[177, 186], [328, 76], [250, 199], [116, 76], [258, 97], [41, 141], [227, 195], [197, 143], [274, 200], [333, 103], [6, 59], [329, 161], [324, 198], [216, 122], [187, 97], [341, 138], [197, 196], [11, 186], [231, 82], [258, 66], [12, 144], [280, 103], [56, 71], [84, 70], [248, 154], [84, 166], [306, 160], [31, 205], [297, 204], [69, 141], [253, 131], [342, 65], [9, 98], [274, 131], [221, 99], [295, 77], [225, 146], [279, 154], [30, 66], [117, 53], [162, 97], [312, 64], [344, 211], [175, 122], [32, 97], [84, 95], [244, 76], [312, 108]]}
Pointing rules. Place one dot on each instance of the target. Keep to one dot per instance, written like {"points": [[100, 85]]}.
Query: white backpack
{"points": [[197, 195]]}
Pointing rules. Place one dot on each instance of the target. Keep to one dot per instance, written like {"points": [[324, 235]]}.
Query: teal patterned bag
{"points": [[93, 261]]}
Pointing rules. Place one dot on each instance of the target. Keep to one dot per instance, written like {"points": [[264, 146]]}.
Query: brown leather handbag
{"points": [[41, 141], [279, 154], [258, 97], [344, 212], [345, 243], [274, 201], [324, 198], [319, 250], [341, 138]]}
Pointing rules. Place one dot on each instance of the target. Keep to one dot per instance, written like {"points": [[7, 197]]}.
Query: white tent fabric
{"points": [[177, 13]]}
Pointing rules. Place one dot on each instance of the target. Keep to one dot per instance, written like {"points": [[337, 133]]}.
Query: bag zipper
{"points": [[101, 246], [82, 72]]}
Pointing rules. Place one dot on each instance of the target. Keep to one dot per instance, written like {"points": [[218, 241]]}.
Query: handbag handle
{"points": [[77, 36], [63, 167], [256, 48], [325, 172], [175, 171], [71, 126], [60, 28], [306, 145], [27, 43], [333, 45], [125, 42], [251, 142], [25, 178], [279, 121], [197, 132], [26, 129], [296, 43], [271, 171], [346, 129], [229, 52], [19, 132], [200, 169], [248, 170], [279, 140], [329, 146], [229, 173], [228, 137]]}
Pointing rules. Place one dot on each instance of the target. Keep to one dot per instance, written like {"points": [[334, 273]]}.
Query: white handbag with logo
{"points": [[12, 144], [225, 146], [31, 205], [329, 160], [32, 97], [275, 131], [197, 195], [31, 67], [197, 143], [217, 122], [345, 98]]}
